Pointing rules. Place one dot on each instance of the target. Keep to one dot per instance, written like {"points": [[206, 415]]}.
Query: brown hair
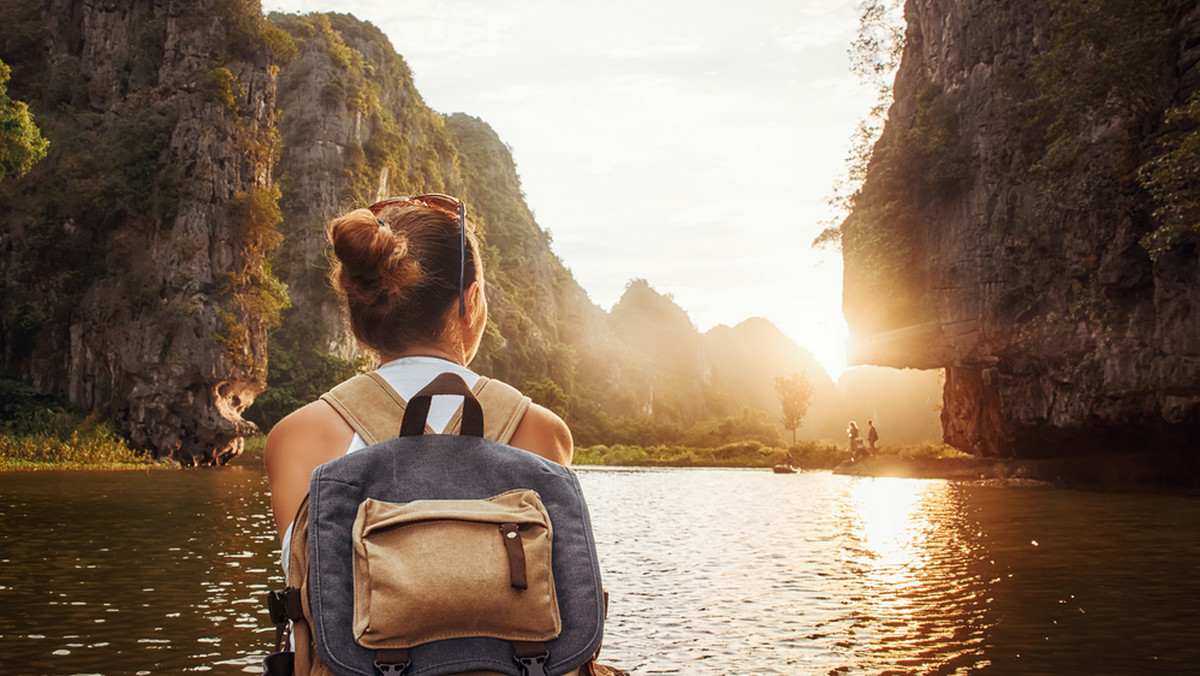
{"points": [[399, 273]]}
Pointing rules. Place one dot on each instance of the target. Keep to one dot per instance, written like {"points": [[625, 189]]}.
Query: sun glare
{"points": [[831, 355], [825, 336]]}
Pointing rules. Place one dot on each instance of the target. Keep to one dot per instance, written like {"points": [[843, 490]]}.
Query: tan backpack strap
{"points": [[298, 576], [369, 405], [503, 407]]}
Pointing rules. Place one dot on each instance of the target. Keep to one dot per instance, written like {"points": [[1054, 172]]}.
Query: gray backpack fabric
{"points": [[448, 467]]}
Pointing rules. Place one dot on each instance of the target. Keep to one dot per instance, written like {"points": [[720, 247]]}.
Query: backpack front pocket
{"points": [[437, 569]]}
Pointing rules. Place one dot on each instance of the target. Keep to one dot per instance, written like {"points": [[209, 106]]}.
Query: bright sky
{"points": [[692, 143]]}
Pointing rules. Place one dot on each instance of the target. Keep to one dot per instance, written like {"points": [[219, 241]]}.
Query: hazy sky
{"points": [[687, 142]]}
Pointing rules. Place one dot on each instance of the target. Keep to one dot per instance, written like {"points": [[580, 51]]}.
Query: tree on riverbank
{"points": [[795, 391]]}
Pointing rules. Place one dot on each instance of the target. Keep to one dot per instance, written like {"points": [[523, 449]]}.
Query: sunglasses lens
{"points": [[451, 204], [443, 201]]}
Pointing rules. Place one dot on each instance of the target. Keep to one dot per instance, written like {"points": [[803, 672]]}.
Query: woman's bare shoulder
{"points": [[307, 438], [541, 431], [313, 433]]}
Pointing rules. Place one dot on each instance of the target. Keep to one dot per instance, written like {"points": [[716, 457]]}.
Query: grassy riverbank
{"points": [[809, 455], [749, 454], [805, 455], [41, 432], [89, 445]]}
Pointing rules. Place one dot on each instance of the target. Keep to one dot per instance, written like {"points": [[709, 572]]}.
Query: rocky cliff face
{"points": [[998, 232], [133, 257], [354, 131]]}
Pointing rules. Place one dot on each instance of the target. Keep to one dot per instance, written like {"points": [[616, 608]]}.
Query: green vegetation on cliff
{"points": [[911, 169], [253, 288], [525, 342], [108, 189], [248, 34], [1109, 59], [1172, 177], [300, 372], [21, 142], [1108, 86]]}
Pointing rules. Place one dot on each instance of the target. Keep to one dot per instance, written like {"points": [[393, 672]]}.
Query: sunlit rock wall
{"points": [[128, 303], [1059, 333]]}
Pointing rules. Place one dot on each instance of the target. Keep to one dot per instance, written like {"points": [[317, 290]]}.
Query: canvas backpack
{"points": [[432, 554]]}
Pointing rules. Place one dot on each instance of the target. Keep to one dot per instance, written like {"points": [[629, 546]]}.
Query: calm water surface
{"points": [[710, 572]]}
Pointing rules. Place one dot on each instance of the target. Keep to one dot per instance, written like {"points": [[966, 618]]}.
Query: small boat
{"points": [[783, 469]]}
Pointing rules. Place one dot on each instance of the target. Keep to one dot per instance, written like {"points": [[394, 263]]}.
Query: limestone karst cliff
{"points": [[133, 261], [1009, 231], [354, 130]]}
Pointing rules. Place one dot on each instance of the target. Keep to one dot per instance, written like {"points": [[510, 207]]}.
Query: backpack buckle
{"points": [[277, 606], [532, 657], [533, 666], [391, 662], [284, 605]]}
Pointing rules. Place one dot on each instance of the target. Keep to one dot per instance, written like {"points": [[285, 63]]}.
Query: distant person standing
{"points": [[852, 432], [872, 437]]}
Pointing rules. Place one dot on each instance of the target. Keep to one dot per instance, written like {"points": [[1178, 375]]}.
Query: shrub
{"points": [[1171, 178], [220, 85], [43, 431], [817, 455], [927, 450], [21, 142], [298, 372]]}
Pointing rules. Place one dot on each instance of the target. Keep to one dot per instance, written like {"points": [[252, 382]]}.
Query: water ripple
{"points": [[709, 571]]}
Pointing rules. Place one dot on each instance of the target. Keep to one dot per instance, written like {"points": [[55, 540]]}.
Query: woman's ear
{"points": [[476, 302]]}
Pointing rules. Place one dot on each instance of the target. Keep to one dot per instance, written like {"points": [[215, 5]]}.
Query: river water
{"points": [[709, 571]]}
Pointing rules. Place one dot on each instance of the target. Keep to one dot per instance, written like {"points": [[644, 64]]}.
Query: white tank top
{"points": [[407, 376]]}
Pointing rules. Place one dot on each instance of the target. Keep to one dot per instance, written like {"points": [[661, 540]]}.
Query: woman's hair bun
{"points": [[370, 254], [400, 276]]}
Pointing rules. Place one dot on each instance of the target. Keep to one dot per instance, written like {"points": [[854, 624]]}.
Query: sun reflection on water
{"points": [[888, 518], [912, 576]]}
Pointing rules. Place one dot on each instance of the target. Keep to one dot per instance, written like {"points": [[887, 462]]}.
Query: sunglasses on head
{"points": [[437, 200]]}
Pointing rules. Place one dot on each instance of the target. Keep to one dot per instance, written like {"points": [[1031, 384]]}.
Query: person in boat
{"points": [[872, 437], [852, 432], [409, 272]]}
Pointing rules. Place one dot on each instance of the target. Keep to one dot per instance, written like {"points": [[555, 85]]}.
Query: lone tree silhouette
{"points": [[794, 394]]}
